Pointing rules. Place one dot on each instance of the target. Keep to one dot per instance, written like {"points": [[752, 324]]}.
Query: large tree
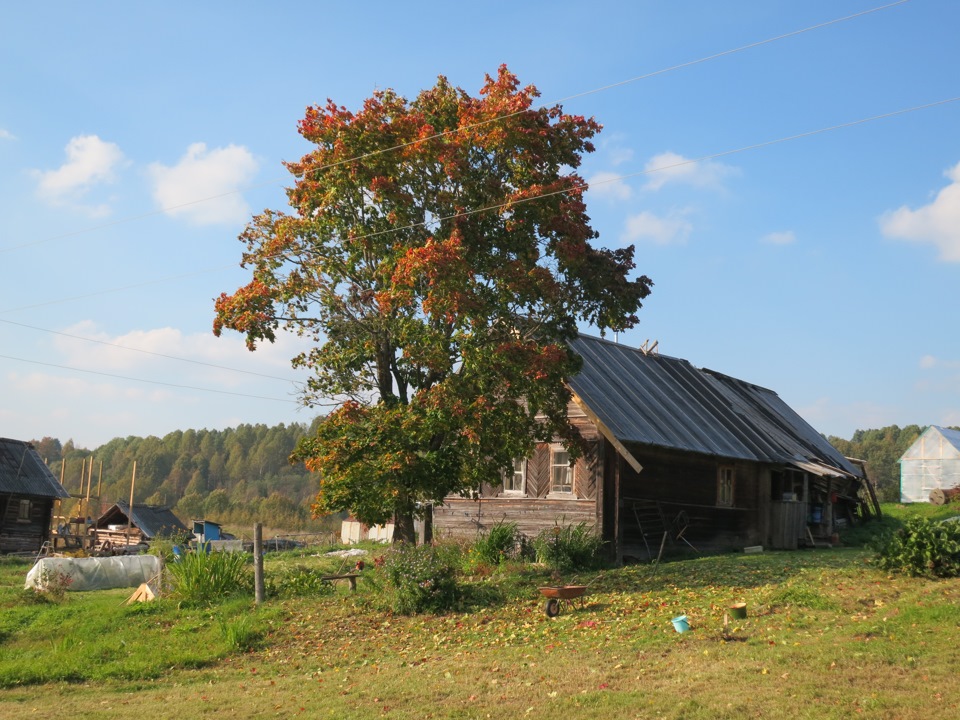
{"points": [[439, 255]]}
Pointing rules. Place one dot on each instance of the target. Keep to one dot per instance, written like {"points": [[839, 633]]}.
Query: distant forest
{"points": [[240, 475], [243, 475]]}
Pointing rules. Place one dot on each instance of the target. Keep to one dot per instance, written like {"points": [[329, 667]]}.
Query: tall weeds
{"points": [[203, 578]]}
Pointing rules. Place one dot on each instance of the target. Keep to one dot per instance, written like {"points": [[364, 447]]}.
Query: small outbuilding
{"points": [[931, 466], [28, 491], [145, 523]]}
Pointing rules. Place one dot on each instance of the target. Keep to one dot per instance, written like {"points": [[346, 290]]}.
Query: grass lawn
{"points": [[827, 635]]}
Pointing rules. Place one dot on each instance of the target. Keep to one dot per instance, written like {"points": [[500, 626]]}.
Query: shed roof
{"points": [[22, 471], [152, 520], [668, 403]]}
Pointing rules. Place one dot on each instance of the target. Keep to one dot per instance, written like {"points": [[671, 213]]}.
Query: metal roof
{"points": [[152, 520], [22, 471], [668, 403]]}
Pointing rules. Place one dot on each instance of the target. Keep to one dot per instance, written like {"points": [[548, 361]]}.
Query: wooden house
{"points": [[28, 491], [674, 455], [145, 522], [930, 466]]}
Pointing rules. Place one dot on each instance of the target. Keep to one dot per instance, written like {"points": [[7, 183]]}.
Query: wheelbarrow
{"points": [[558, 596]]}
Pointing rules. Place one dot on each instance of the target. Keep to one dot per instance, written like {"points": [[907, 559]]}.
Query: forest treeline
{"points": [[243, 475], [240, 475]]}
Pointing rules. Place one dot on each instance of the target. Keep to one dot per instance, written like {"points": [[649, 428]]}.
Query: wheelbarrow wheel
{"points": [[552, 607]]}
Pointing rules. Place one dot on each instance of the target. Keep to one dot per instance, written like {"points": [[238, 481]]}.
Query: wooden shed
{"points": [[145, 523], [675, 454], [28, 491]]}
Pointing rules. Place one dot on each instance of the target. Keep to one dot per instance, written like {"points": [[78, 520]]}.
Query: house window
{"points": [[515, 482], [561, 472], [725, 478], [23, 514]]}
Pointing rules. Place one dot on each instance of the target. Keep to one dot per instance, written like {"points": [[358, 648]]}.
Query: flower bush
{"points": [[421, 579]]}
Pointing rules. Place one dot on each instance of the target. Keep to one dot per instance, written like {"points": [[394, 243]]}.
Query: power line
{"points": [[690, 63], [119, 289], [149, 382], [690, 161], [583, 186], [145, 352]]}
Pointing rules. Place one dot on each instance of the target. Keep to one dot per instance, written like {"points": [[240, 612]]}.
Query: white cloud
{"points": [[779, 238], [90, 161], [928, 362], [937, 223], [6, 135], [670, 167], [150, 354], [645, 226], [203, 187], [609, 185]]}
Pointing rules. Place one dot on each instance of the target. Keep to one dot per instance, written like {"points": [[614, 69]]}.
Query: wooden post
{"points": [[85, 541], [99, 480], [133, 481], [258, 562]]}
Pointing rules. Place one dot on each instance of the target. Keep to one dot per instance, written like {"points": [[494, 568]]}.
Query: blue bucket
{"points": [[680, 624]]}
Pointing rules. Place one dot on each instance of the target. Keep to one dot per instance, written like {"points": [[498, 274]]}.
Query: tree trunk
{"points": [[403, 527]]}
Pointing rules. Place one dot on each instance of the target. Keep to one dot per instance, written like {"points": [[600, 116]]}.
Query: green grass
{"points": [[828, 635]]}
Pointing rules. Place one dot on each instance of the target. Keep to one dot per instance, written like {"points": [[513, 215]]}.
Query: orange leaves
{"points": [[439, 272], [249, 310]]}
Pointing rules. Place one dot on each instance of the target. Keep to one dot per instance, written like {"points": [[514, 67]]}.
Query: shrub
{"points": [[569, 547], [421, 579], [299, 581], [499, 543], [202, 578], [922, 547]]}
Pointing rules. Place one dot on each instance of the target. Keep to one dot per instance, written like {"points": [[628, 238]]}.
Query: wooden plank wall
{"points": [[536, 510], [463, 518], [16, 536]]}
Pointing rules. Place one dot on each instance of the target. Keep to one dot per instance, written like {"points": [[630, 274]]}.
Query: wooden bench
{"points": [[349, 577]]}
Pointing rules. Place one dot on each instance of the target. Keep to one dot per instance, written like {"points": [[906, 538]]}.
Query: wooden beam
{"points": [[606, 432]]}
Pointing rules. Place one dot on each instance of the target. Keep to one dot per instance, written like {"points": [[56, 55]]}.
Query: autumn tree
{"points": [[439, 255]]}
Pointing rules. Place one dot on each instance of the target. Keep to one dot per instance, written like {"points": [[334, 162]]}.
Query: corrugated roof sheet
{"points": [[668, 403], [23, 472]]}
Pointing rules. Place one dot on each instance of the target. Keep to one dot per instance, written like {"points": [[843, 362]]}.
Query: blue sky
{"points": [[136, 140]]}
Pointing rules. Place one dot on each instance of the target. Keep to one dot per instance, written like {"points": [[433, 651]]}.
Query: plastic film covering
{"points": [[96, 573]]}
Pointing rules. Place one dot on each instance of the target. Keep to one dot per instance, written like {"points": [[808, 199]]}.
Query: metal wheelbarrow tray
{"points": [[558, 596]]}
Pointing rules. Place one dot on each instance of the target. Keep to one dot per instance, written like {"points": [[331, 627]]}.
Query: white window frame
{"points": [[560, 468], [519, 470], [726, 485]]}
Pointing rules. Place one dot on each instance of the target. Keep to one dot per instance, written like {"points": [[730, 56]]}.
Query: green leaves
{"points": [[922, 547], [439, 253]]}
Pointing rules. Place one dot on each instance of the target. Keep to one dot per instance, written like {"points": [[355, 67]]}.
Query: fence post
{"points": [[258, 562]]}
